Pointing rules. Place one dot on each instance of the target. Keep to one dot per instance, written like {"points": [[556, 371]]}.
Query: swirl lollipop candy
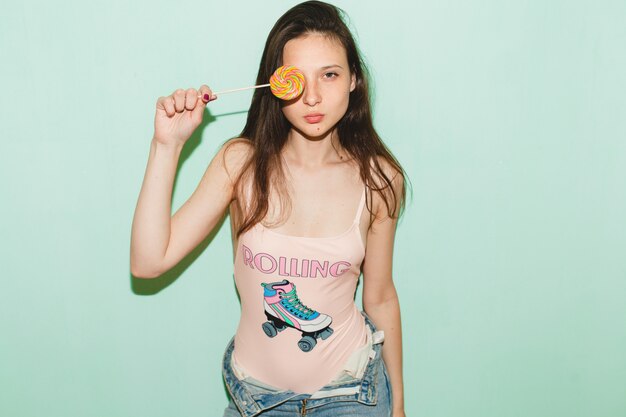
{"points": [[286, 83]]}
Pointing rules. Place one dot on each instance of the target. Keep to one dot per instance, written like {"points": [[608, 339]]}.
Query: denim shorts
{"points": [[369, 395]]}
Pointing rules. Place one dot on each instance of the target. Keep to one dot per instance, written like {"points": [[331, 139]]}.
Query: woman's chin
{"points": [[313, 132]]}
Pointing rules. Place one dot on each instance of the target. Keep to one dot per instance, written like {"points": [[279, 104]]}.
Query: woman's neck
{"points": [[313, 152]]}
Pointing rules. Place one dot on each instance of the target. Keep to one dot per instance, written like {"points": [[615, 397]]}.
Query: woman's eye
{"points": [[331, 75]]}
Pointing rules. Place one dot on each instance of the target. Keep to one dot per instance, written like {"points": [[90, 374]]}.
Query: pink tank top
{"points": [[299, 323]]}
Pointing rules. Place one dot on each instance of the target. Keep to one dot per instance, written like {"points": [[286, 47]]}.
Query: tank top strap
{"points": [[359, 211]]}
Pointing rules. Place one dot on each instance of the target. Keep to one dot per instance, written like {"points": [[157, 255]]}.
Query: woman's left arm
{"points": [[380, 299]]}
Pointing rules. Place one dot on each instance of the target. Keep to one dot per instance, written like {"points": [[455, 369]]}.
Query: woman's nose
{"points": [[311, 94]]}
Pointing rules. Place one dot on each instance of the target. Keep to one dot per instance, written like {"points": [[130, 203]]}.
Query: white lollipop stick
{"points": [[237, 89], [240, 89]]}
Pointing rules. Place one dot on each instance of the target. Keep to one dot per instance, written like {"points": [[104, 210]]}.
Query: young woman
{"points": [[314, 197]]}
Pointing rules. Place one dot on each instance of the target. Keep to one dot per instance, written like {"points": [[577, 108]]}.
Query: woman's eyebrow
{"points": [[331, 66]]}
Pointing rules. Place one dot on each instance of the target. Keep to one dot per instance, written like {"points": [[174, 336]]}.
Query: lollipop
{"points": [[286, 83]]}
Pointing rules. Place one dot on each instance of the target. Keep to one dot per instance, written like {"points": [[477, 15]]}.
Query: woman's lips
{"points": [[314, 118]]}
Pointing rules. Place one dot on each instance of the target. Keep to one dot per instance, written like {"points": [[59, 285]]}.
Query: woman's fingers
{"points": [[181, 100], [206, 94], [191, 98], [166, 104]]}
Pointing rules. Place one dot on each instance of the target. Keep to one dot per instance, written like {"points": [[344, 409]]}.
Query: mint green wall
{"points": [[510, 262]]}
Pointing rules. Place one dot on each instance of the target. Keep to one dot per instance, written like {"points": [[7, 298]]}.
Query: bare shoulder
{"points": [[382, 164], [224, 169], [234, 155], [388, 181]]}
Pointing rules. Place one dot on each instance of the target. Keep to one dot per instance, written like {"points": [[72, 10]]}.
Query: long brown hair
{"points": [[267, 128]]}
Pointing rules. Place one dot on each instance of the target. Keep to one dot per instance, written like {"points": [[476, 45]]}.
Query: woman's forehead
{"points": [[314, 50]]}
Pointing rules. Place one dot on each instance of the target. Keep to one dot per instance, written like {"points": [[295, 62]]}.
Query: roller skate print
{"points": [[283, 309]]}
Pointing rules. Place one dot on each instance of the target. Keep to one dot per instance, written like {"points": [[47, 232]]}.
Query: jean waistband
{"points": [[252, 400]]}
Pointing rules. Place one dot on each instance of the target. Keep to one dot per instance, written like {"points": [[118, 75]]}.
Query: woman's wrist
{"points": [[172, 146], [398, 405], [398, 412]]}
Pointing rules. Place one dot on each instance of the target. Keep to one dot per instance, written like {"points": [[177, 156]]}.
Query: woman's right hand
{"points": [[179, 114]]}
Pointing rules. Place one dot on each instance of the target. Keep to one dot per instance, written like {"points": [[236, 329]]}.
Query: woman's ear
{"points": [[352, 82]]}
